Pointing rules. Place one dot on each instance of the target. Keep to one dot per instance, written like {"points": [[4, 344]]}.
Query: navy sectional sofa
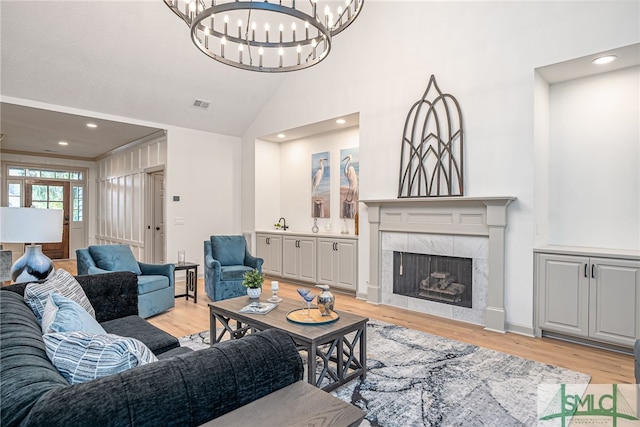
{"points": [[183, 388]]}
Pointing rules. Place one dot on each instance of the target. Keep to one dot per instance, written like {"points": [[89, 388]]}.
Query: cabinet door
{"points": [[563, 294], [290, 257], [615, 301], [347, 264], [307, 259], [326, 265], [269, 248], [263, 251], [275, 255]]}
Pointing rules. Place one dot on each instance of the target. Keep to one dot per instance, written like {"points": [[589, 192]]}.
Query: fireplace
{"points": [[461, 227], [443, 279]]}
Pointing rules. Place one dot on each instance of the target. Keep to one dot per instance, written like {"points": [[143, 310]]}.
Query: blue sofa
{"points": [[156, 287], [226, 259], [183, 388]]}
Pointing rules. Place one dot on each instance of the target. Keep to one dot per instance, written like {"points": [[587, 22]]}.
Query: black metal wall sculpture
{"points": [[431, 161]]}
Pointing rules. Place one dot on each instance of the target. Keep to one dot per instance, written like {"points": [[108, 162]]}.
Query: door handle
{"points": [[593, 271], [157, 228], [586, 266]]}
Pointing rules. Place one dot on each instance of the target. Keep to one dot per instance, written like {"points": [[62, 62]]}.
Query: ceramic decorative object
{"points": [[315, 225], [325, 301], [254, 292]]}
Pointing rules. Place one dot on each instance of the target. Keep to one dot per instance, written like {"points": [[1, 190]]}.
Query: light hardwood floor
{"points": [[605, 367]]}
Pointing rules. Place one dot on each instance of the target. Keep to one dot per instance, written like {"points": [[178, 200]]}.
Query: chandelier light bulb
{"points": [[192, 6]]}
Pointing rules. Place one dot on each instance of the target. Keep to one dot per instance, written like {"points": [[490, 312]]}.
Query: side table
{"points": [[191, 280]]}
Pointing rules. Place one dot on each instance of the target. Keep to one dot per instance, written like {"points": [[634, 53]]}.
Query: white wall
{"points": [[594, 161], [204, 170], [484, 53], [287, 180], [122, 194]]}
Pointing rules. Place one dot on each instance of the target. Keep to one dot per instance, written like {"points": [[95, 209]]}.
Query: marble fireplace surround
{"points": [[451, 216]]}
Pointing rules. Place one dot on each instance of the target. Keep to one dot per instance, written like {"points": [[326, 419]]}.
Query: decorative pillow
{"points": [[81, 356], [115, 258], [62, 314], [61, 282]]}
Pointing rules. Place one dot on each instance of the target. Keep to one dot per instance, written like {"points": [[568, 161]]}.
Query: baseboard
{"points": [[595, 344], [520, 329]]}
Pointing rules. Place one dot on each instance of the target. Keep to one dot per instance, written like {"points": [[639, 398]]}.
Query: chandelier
{"points": [[266, 36]]}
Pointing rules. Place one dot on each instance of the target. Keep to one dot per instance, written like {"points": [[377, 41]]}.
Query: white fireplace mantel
{"points": [[472, 216]]}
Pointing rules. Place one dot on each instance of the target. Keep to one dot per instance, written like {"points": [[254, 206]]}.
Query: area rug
{"points": [[419, 379]]}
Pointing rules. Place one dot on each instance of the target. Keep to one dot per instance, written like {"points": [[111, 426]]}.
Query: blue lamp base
{"points": [[32, 266]]}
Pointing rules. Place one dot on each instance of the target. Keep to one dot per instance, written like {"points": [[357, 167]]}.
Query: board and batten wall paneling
{"points": [[122, 194]]}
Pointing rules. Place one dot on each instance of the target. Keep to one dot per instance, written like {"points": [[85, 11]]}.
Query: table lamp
{"points": [[30, 225]]}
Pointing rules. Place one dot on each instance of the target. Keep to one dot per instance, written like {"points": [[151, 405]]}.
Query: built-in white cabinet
{"points": [[299, 258], [338, 262], [269, 248], [589, 295], [317, 259]]}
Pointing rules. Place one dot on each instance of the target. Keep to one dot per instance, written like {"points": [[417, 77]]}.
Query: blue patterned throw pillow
{"points": [[62, 314], [61, 282], [81, 356]]}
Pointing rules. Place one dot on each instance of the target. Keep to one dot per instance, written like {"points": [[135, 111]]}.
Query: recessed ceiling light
{"points": [[92, 125], [604, 59], [341, 121], [63, 143], [281, 135]]}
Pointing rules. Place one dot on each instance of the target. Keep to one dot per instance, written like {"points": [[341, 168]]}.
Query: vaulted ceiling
{"points": [[130, 59]]}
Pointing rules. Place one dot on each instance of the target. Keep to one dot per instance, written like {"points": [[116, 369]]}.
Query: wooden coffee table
{"points": [[340, 346]]}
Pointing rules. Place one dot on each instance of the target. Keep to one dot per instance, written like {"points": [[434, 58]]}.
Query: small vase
{"points": [[326, 300], [315, 228], [254, 292]]}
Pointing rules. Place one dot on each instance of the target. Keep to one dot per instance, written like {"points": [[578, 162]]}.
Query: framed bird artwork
{"points": [[349, 173], [320, 185]]}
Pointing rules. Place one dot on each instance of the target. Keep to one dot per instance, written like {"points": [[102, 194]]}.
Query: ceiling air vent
{"points": [[200, 104]]}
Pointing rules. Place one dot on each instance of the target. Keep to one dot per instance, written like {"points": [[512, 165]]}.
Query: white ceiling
{"points": [[33, 130], [134, 59], [125, 58]]}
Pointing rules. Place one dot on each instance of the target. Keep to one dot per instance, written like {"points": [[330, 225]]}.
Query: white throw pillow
{"points": [[62, 314], [61, 282], [81, 356]]}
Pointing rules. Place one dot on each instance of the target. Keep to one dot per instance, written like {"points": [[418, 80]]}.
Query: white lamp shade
{"points": [[30, 225]]}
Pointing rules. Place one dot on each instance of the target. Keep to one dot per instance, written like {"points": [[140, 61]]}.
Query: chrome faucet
{"points": [[284, 226]]}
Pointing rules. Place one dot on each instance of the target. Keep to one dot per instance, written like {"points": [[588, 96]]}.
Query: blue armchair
{"points": [[226, 259], [156, 285]]}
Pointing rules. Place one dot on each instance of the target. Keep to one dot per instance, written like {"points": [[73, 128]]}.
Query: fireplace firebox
{"points": [[444, 279]]}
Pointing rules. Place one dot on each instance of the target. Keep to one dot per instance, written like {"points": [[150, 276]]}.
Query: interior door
{"points": [[45, 194], [158, 217]]}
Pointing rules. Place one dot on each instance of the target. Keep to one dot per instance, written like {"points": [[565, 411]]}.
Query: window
{"points": [[43, 173], [47, 196], [14, 194], [78, 197]]}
